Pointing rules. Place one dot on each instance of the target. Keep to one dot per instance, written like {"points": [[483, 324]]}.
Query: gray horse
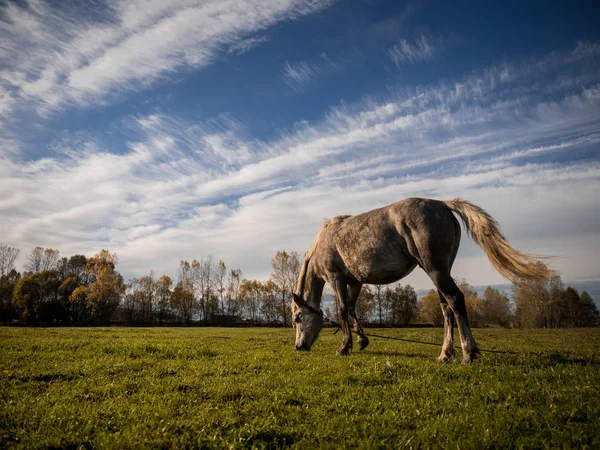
{"points": [[384, 245]]}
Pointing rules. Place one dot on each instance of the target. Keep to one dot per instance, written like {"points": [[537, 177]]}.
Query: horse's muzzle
{"points": [[302, 348]]}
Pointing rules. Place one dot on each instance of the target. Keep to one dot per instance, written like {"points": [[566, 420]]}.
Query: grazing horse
{"points": [[384, 245]]}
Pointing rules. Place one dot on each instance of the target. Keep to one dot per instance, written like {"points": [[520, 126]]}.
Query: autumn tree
{"points": [[251, 294], [286, 268], [8, 279], [430, 310], [103, 295], [37, 297], [496, 308], [7, 287], [163, 298], [365, 303], [548, 304], [74, 275], [533, 302], [183, 299], [473, 303], [146, 300], [270, 307]]}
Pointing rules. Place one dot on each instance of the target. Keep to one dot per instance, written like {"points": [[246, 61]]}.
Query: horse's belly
{"points": [[379, 265], [388, 277]]}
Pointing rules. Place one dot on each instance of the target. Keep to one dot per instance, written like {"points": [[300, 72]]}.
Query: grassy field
{"points": [[237, 388]]}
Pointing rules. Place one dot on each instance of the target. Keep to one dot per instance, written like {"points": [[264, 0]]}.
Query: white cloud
{"points": [[186, 189], [60, 56]]}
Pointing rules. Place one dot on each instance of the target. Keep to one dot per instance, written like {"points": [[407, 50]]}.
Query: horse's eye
{"points": [[298, 318]]}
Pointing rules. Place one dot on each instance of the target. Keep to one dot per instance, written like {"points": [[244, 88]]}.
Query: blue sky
{"points": [[174, 130]]}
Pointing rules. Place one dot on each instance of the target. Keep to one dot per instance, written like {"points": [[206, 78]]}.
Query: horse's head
{"points": [[308, 322]]}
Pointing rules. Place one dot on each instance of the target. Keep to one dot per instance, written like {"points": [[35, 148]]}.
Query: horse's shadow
{"points": [[396, 353]]}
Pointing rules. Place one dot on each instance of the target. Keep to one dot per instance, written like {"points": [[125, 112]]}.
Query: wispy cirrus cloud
{"points": [[186, 188], [58, 55], [298, 75], [414, 51], [246, 45]]}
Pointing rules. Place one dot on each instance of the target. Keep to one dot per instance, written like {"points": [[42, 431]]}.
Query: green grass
{"points": [[217, 388]]}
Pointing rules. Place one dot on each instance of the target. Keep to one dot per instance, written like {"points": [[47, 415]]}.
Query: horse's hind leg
{"points": [[448, 351], [353, 293], [456, 301]]}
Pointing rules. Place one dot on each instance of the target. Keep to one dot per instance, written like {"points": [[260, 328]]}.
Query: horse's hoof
{"points": [[445, 358], [469, 357], [362, 343], [343, 351]]}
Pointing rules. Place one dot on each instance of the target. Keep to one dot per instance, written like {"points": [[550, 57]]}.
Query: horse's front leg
{"points": [[341, 294]]}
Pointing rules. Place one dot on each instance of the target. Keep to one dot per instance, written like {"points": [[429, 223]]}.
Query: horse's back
{"points": [[385, 244]]}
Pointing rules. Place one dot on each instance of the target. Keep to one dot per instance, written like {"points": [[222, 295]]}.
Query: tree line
{"points": [[537, 304], [55, 290]]}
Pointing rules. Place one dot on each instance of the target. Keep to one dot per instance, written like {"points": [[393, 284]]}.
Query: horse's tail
{"points": [[484, 230]]}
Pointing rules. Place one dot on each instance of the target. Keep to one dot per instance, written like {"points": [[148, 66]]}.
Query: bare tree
{"points": [[403, 305], [207, 277], [221, 274], [294, 266], [8, 256], [380, 303], [234, 282], [204, 275], [130, 300], [183, 299], [147, 293], [196, 284], [40, 259]]}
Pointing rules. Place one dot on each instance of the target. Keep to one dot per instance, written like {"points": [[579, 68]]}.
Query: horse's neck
{"points": [[313, 288]]}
